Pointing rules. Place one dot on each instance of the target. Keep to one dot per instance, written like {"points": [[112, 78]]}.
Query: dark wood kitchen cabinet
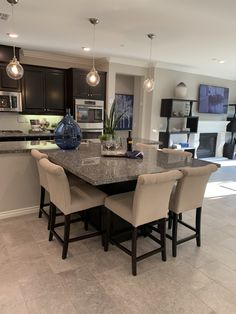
{"points": [[43, 90], [6, 83], [80, 88]]}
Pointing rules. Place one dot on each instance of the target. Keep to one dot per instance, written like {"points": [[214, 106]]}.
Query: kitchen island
{"points": [[19, 180], [19, 193]]}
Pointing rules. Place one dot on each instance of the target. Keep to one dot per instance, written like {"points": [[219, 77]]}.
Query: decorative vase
{"points": [[67, 133], [181, 90]]}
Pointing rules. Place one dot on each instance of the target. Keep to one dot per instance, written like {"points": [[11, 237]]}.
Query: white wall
{"points": [[20, 189], [124, 84]]}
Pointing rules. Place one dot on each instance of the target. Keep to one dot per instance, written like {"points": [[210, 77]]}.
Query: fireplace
{"points": [[207, 145], [209, 127]]}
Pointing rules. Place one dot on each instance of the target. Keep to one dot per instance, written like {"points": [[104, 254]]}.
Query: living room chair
{"points": [[68, 199], [147, 204], [187, 195]]}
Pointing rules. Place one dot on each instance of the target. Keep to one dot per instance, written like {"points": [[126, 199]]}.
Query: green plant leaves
{"points": [[112, 120]]}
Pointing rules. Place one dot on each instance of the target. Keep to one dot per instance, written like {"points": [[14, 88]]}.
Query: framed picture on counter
{"points": [[124, 103]]}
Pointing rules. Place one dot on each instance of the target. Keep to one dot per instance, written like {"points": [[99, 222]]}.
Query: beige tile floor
{"points": [[34, 279]]}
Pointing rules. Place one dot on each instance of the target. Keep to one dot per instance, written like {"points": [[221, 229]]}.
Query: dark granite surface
{"points": [[88, 164]]}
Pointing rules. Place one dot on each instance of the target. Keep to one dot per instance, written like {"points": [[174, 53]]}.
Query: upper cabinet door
{"points": [[43, 90], [6, 83], [33, 90], [82, 90], [54, 90], [80, 86]]}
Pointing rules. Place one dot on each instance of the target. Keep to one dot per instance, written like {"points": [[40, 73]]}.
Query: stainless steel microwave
{"points": [[10, 101]]}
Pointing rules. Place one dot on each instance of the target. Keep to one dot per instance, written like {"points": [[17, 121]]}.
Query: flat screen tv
{"points": [[213, 99]]}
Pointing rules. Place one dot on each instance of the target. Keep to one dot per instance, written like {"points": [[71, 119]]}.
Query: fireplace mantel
{"points": [[212, 126]]}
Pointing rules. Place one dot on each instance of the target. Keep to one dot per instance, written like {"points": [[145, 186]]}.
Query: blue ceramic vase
{"points": [[67, 133]]}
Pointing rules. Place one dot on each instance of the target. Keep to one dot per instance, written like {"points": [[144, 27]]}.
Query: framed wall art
{"points": [[124, 103]]}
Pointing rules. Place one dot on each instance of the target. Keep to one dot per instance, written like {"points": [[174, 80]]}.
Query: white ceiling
{"points": [[189, 32]]}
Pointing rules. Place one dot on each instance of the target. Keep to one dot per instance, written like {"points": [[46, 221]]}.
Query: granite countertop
{"points": [[88, 164], [26, 146]]}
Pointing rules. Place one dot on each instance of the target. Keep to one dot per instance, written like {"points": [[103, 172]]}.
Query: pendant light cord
{"points": [[93, 42], [150, 56], [13, 29]]}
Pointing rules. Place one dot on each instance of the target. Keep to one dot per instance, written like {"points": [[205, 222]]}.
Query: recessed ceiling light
{"points": [[86, 48], [12, 35], [218, 60]]}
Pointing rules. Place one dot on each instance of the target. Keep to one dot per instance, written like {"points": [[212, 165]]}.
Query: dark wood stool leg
{"points": [[162, 227], [198, 225], [86, 218], [174, 234], [42, 199], [169, 219], [52, 220], [181, 216], [134, 250], [66, 236], [108, 228], [49, 217], [102, 221]]}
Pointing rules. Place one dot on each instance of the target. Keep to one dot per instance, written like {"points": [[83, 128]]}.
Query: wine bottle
{"points": [[129, 142]]}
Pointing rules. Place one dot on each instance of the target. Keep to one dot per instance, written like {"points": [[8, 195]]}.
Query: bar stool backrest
{"points": [[42, 174], [152, 195], [58, 185], [190, 189]]}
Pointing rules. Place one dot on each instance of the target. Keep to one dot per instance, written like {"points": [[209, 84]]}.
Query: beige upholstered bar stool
{"points": [[189, 194], [177, 153], [148, 203], [68, 199], [42, 181], [73, 180]]}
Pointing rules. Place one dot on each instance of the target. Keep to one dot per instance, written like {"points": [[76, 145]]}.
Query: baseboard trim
{"points": [[18, 212]]}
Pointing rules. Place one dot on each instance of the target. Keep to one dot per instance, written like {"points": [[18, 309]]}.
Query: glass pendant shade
{"points": [[67, 133], [14, 69], [148, 85], [93, 77]]}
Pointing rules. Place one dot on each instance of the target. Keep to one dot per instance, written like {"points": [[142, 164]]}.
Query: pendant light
{"points": [[93, 77], [14, 69], [148, 84]]}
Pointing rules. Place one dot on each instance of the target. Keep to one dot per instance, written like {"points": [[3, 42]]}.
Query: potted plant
{"points": [[111, 121]]}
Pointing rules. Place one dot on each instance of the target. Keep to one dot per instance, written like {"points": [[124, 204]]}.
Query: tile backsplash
{"points": [[15, 121]]}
